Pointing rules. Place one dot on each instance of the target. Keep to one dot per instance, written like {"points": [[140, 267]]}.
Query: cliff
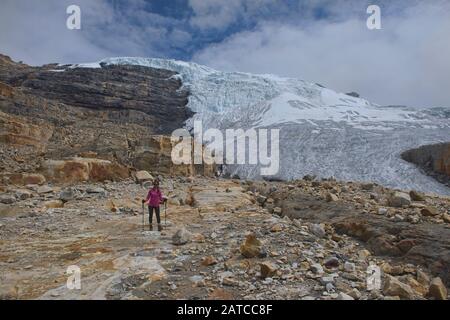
{"points": [[121, 114], [433, 159]]}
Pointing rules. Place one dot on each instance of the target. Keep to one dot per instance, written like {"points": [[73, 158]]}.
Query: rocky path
{"points": [[218, 243]]}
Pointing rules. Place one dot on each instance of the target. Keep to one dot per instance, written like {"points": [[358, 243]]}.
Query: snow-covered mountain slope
{"points": [[322, 132]]}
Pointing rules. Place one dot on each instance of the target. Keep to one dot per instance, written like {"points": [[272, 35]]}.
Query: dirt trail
{"points": [[101, 233]]}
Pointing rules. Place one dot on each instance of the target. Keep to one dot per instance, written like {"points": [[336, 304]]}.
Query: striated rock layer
{"points": [[120, 114]]}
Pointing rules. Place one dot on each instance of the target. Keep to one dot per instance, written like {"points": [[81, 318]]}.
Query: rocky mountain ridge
{"points": [[120, 114]]}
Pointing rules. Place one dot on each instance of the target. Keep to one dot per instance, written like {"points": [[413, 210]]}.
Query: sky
{"points": [[406, 62]]}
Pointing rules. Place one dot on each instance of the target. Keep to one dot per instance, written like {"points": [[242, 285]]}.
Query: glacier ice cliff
{"points": [[322, 132]]}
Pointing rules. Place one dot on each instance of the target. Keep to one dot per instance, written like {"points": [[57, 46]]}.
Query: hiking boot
{"points": [[160, 227], [151, 227]]}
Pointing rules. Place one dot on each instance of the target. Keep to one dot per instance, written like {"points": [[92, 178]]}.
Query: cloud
{"points": [[35, 31], [404, 63], [324, 41]]}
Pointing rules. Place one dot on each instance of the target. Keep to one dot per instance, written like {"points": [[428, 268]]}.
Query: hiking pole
{"points": [[143, 216], [165, 213]]}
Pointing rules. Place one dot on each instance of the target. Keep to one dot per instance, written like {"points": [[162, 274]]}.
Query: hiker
{"points": [[153, 200]]}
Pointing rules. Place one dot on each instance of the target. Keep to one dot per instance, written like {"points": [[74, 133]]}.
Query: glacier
{"points": [[322, 132]]}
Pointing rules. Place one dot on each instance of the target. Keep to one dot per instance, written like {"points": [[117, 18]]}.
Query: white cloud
{"points": [[405, 63], [35, 31]]}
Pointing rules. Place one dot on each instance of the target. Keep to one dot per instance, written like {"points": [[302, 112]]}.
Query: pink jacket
{"points": [[154, 197]]}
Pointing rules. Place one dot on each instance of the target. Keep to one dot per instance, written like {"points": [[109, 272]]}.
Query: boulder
{"points": [[399, 199], [268, 269], [309, 177], [198, 281], [67, 194], [23, 194], [331, 197], [261, 199], [44, 189], [181, 236], [344, 296], [422, 277], [367, 186], [349, 266], [446, 217], [7, 199], [317, 229], [252, 247], [209, 261], [416, 196], [429, 212], [355, 294], [277, 211], [317, 268], [416, 285], [190, 200], [96, 190], [331, 262], [393, 287], [143, 176], [278, 227], [437, 289]]}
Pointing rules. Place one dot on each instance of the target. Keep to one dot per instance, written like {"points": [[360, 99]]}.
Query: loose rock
{"points": [[318, 230], [393, 287], [399, 199], [429, 212], [437, 289], [416, 195], [252, 247], [181, 236], [7, 199], [268, 269]]}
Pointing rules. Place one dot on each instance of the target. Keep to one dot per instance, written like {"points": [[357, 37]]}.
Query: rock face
{"points": [[122, 114], [15, 131], [433, 159], [82, 169], [22, 178]]}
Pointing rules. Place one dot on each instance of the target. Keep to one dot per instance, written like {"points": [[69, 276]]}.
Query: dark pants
{"points": [[150, 214]]}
